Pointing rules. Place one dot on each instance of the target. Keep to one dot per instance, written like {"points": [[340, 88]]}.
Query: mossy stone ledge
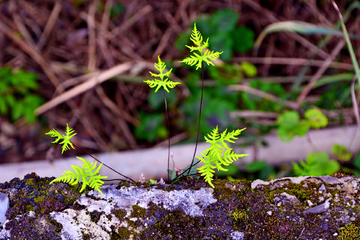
{"points": [[287, 208]]}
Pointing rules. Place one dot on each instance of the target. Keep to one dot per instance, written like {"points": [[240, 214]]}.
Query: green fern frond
{"points": [[197, 59], [66, 138], [159, 83], [164, 81], [88, 174], [160, 66], [218, 154]]}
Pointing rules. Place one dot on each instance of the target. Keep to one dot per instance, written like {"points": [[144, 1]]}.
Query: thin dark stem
{"points": [[103, 163], [185, 172], [198, 132], [168, 125]]}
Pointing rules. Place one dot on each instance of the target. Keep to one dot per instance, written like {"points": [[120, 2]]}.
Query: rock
{"points": [[4, 206], [276, 209]]}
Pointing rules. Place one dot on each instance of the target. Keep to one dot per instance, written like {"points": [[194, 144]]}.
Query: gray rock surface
{"points": [[276, 209]]}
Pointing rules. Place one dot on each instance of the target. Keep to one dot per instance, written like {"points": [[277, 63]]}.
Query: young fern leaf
{"points": [[88, 174], [197, 59], [66, 138], [164, 81], [218, 154]]}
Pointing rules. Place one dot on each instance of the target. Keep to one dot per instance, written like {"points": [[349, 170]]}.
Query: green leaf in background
{"points": [[232, 170], [3, 108], [172, 174], [288, 119], [331, 167], [316, 118], [302, 128], [317, 164], [30, 103], [151, 127], [249, 69], [223, 43], [243, 39], [17, 111], [285, 135], [16, 98], [255, 166], [157, 101], [202, 24], [216, 113], [116, 10], [226, 74], [224, 20], [289, 126], [252, 102], [357, 161], [182, 40], [341, 152], [218, 102], [192, 172]]}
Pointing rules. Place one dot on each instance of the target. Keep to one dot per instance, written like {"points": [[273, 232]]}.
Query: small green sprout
{"points": [[152, 181], [215, 154], [66, 138], [164, 81], [206, 56]]}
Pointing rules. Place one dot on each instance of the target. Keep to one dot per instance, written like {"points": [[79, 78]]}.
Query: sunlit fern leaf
{"points": [[164, 81], [88, 174], [159, 83], [69, 133], [219, 154], [197, 59]]}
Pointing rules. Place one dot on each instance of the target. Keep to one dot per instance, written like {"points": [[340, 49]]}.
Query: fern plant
{"points": [[88, 174], [197, 59], [219, 153], [165, 83]]}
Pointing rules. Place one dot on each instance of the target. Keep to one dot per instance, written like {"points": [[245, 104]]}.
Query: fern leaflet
{"points": [[164, 81], [197, 59], [218, 154], [69, 133], [88, 174]]}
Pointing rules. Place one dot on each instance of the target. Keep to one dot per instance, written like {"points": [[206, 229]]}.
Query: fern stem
{"points": [[185, 172], [103, 163], [198, 132], [168, 125]]}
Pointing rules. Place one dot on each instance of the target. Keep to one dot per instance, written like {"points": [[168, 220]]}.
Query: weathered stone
{"points": [[287, 208]]}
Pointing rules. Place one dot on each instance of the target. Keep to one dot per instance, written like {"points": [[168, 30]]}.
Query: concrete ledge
{"points": [[153, 162]]}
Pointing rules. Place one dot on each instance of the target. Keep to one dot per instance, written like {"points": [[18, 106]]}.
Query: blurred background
{"points": [[84, 63]]}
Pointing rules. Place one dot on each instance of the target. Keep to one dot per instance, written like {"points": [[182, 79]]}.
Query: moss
{"points": [[39, 199], [138, 212], [239, 215], [119, 213], [349, 232], [124, 233]]}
